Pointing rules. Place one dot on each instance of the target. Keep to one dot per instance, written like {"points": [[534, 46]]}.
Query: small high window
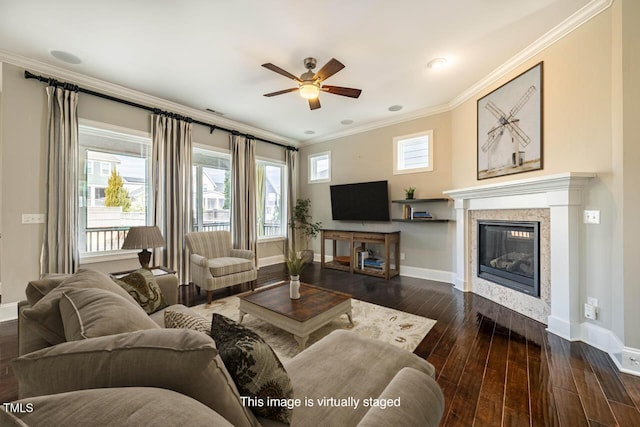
{"points": [[320, 167], [413, 153]]}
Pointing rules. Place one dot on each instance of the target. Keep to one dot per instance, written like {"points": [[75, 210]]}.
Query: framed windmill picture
{"points": [[510, 126]]}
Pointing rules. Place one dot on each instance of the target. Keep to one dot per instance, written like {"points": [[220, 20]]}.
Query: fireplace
{"points": [[509, 254]]}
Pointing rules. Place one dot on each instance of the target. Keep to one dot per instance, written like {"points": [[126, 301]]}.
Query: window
{"points": [[104, 222], [270, 187], [211, 190], [105, 168], [413, 153], [320, 167]]}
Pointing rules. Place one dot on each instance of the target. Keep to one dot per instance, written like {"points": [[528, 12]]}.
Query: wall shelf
{"points": [[406, 201], [422, 220]]}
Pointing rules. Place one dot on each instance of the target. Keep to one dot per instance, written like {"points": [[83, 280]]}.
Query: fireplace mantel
{"points": [[562, 195]]}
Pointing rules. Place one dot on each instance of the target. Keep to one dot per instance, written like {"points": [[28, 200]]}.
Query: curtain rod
{"points": [[69, 86]]}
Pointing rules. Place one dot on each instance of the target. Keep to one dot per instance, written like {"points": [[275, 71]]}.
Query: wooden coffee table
{"points": [[315, 308]]}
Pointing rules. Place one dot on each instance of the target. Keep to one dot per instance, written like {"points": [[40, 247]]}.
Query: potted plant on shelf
{"points": [[303, 222], [295, 265], [409, 192]]}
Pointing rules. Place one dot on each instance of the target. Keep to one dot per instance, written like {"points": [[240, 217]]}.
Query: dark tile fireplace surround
{"points": [[509, 254]]}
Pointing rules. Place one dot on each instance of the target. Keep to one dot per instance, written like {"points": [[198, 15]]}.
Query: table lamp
{"points": [[143, 238]]}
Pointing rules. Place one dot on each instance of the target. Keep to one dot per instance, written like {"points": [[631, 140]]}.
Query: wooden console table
{"points": [[357, 242]]}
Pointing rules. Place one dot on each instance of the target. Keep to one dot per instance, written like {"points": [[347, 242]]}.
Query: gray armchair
{"points": [[215, 264]]}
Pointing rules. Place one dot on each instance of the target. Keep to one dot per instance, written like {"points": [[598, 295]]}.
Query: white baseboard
{"points": [[271, 260], [427, 274], [8, 311]]}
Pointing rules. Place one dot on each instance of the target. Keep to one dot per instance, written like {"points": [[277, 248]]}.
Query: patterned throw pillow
{"points": [[142, 286], [181, 320], [253, 365]]}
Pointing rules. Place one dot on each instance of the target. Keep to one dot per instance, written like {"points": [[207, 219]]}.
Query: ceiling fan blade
{"points": [[276, 69], [314, 104], [344, 91], [280, 92], [329, 69]]}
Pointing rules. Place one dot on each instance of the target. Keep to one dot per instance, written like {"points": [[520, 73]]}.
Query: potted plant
{"points": [[302, 221], [295, 265], [409, 192]]}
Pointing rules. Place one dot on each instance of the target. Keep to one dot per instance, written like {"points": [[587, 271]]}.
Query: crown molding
{"points": [[582, 16], [417, 114], [137, 96], [561, 30]]}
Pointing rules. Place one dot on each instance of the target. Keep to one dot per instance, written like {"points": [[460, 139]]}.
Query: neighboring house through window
{"points": [[320, 167], [269, 206], [211, 190], [103, 227], [413, 153]]}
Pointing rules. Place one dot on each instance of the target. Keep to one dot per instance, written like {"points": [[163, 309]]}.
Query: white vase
{"points": [[294, 287]]}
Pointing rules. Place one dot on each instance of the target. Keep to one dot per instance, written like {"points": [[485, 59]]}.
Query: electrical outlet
{"points": [[33, 218], [590, 312], [592, 217], [402, 256]]}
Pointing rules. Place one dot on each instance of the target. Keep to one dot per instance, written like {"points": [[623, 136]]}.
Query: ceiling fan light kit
{"points": [[310, 84]]}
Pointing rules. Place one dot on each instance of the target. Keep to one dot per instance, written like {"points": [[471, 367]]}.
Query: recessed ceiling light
{"points": [[395, 108], [347, 122], [437, 63], [67, 57], [309, 132]]}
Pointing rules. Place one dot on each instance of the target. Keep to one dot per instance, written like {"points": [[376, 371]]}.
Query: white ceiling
{"points": [[207, 54]]}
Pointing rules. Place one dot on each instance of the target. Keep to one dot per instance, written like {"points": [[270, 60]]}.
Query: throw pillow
{"points": [[182, 320], [90, 313], [175, 359], [255, 368], [45, 314], [142, 286]]}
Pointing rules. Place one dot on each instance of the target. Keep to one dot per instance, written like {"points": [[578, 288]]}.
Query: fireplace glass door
{"points": [[508, 254]]}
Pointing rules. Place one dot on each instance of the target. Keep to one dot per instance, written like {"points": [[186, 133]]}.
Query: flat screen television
{"points": [[364, 201]]}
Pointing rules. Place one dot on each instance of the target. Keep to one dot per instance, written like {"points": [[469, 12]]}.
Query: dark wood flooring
{"points": [[496, 367]]}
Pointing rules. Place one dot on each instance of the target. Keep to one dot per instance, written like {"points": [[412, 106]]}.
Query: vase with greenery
{"points": [[302, 221], [409, 192], [295, 265]]}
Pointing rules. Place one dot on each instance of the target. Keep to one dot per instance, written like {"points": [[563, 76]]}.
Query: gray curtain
{"points": [[171, 180], [291, 159], [60, 240], [243, 193]]}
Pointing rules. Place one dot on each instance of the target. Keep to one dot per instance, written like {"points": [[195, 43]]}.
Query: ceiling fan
{"points": [[309, 84]]}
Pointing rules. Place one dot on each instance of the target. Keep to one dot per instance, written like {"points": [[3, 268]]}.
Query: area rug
{"points": [[370, 320]]}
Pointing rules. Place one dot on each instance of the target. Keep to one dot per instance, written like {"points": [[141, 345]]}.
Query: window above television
{"points": [[320, 167], [413, 153]]}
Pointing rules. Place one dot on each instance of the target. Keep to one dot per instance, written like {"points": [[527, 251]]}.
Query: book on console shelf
{"points": [[421, 215]]}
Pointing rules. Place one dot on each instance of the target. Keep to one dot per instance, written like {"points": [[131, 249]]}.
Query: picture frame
{"points": [[509, 121]]}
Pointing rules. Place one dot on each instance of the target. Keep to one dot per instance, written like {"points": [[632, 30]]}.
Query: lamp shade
{"points": [[143, 238]]}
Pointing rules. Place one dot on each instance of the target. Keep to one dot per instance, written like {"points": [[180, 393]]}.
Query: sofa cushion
{"points": [[89, 313], [121, 406], [253, 365], [365, 368], [183, 320], [176, 359], [141, 285], [45, 314], [228, 265], [37, 289]]}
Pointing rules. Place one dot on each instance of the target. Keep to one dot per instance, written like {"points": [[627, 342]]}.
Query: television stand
{"points": [[358, 241]]}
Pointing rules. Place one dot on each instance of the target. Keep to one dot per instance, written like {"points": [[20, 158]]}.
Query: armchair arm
{"points": [[199, 260], [421, 402], [242, 253]]}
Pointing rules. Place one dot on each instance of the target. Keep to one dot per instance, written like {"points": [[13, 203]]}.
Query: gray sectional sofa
{"points": [[132, 378]]}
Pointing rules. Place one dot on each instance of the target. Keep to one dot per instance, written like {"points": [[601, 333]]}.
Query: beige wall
{"points": [[368, 156], [590, 125], [22, 174]]}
